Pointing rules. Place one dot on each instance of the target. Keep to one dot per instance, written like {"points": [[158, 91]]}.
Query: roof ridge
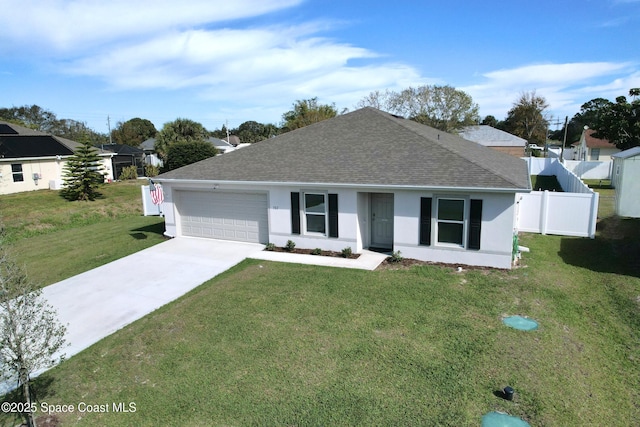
{"points": [[398, 120]]}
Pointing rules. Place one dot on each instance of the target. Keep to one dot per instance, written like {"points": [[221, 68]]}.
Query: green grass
{"points": [[280, 344], [543, 182], [55, 239]]}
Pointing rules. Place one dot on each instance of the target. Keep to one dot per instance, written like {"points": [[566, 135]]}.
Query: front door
{"points": [[382, 221]]}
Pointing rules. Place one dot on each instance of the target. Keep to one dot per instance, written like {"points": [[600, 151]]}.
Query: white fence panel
{"points": [[148, 208], [564, 214], [590, 170]]}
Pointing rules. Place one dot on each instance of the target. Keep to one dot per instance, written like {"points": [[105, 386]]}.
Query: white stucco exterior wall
{"points": [[496, 237], [498, 219]]}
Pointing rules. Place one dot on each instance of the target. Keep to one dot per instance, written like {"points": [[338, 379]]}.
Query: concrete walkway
{"points": [[98, 302], [367, 260]]}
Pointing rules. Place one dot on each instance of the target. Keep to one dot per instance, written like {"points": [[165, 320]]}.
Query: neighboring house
{"points": [[33, 160], [336, 184], [626, 181], [590, 148], [125, 156], [150, 157], [233, 140], [221, 145], [495, 138]]}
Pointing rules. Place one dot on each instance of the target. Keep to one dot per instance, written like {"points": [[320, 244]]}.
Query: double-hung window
{"points": [[451, 224], [16, 172], [315, 212]]}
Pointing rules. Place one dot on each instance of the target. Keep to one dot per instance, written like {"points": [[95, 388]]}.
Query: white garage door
{"points": [[229, 216]]}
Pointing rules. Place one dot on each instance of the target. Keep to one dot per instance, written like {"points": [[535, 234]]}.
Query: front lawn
{"points": [[279, 344], [55, 239]]}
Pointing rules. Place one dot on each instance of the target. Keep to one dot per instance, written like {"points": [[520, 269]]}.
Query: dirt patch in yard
{"points": [[407, 263]]}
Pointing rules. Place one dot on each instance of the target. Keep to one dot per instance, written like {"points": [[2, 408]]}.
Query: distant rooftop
{"points": [[491, 137]]}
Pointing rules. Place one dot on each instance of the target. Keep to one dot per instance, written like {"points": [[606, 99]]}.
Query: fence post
{"points": [[544, 212], [595, 199]]}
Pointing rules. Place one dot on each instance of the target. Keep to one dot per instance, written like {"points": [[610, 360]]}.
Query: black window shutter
{"points": [[333, 215], [475, 224], [295, 213], [425, 221]]}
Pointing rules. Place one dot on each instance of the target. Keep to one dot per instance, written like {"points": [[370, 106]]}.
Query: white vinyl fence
{"points": [[148, 208], [590, 170], [573, 212]]}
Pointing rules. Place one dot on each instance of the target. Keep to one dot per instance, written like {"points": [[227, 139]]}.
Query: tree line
{"points": [[442, 107]]}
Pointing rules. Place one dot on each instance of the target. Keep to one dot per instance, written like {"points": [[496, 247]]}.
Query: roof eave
{"points": [[347, 185]]}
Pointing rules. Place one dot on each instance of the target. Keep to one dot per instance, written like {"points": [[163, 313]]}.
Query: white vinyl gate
{"points": [[229, 216]]}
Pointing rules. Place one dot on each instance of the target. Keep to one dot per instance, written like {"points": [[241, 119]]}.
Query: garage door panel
{"points": [[230, 216]]}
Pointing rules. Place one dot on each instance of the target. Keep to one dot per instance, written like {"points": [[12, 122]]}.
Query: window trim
{"points": [[464, 222], [325, 214], [17, 173]]}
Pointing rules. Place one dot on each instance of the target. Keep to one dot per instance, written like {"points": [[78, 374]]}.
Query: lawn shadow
{"points": [[616, 248], [140, 232]]}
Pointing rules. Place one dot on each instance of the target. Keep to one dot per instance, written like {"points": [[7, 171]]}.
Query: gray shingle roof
{"points": [[365, 147], [491, 137]]}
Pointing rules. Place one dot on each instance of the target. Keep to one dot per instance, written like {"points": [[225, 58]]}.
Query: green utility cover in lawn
{"points": [[499, 419], [521, 323]]}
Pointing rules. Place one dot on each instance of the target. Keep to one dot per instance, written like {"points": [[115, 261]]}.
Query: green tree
{"points": [[184, 153], [587, 116], [180, 130], [83, 174], [306, 112], [619, 122], [526, 118], [490, 121], [35, 117], [442, 107], [30, 334], [251, 131], [133, 132]]}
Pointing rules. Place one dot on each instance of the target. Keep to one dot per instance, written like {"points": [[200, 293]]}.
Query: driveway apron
{"points": [[98, 302]]}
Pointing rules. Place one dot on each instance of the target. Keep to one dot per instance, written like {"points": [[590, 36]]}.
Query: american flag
{"points": [[157, 196]]}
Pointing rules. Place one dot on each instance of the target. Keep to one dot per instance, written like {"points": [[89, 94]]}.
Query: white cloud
{"points": [[565, 86], [70, 26]]}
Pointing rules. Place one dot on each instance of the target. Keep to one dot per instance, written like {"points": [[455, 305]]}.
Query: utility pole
{"points": [[109, 127], [564, 139]]}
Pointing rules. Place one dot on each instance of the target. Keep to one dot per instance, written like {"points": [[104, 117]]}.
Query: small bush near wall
{"points": [[151, 171], [290, 245], [346, 252], [128, 172]]}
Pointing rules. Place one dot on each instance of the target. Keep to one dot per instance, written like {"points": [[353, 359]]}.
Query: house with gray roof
{"points": [[495, 138], [33, 160], [335, 184]]}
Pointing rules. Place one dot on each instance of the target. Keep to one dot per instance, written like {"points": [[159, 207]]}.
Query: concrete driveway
{"points": [[98, 302]]}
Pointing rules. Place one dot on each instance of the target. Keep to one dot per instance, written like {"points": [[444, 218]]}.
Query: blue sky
{"points": [[217, 61]]}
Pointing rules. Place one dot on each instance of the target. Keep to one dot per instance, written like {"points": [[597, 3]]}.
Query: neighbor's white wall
{"points": [[496, 237], [48, 170]]}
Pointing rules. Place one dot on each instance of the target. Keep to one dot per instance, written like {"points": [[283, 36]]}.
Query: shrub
{"points": [[346, 252], [129, 172], [316, 251], [184, 153], [290, 245], [151, 171], [270, 247], [395, 257]]}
